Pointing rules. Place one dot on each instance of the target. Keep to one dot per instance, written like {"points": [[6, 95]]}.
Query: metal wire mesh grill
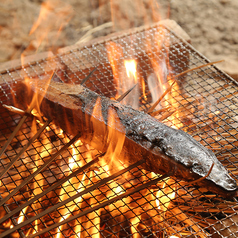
{"points": [[204, 104]]}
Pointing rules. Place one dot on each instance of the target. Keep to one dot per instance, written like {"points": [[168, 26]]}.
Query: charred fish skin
{"points": [[182, 148], [164, 148], [179, 146]]}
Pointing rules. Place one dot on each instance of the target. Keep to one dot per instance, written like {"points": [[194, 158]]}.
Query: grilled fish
{"points": [[165, 149]]}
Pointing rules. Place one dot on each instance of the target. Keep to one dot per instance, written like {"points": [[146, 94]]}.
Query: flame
{"points": [[128, 82], [159, 82], [37, 187], [125, 74], [115, 139], [130, 66], [65, 192], [134, 223], [176, 123], [165, 195], [98, 124], [52, 18], [111, 137], [143, 87], [37, 97], [21, 215]]}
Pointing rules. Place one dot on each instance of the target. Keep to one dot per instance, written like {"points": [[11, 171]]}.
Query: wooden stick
{"points": [[176, 76], [109, 201], [198, 67], [153, 114], [165, 116], [15, 110], [93, 187], [204, 177], [14, 132], [40, 169], [24, 148], [125, 94], [49, 189], [150, 110], [87, 78]]}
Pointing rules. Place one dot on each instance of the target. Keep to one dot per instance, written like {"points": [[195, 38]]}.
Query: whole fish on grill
{"points": [[72, 107]]}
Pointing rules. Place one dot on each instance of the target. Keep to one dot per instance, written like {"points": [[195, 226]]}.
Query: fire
{"points": [[37, 98], [166, 195], [99, 129], [162, 87], [109, 163], [160, 84], [66, 212], [125, 75], [46, 31], [41, 31], [134, 223], [174, 118], [130, 81], [130, 66], [111, 136], [157, 81], [108, 131], [115, 139]]}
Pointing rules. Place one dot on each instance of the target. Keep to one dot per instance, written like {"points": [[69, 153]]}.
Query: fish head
{"points": [[184, 149]]}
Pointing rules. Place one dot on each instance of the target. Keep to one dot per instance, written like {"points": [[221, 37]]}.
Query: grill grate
{"points": [[204, 103]]}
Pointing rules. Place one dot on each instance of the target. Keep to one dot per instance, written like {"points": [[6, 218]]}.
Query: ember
{"points": [[63, 187]]}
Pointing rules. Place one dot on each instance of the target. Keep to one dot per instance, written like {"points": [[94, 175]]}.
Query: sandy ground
{"points": [[212, 25]]}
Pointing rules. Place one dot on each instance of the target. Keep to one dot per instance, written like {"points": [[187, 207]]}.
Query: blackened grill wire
{"points": [[198, 85]]}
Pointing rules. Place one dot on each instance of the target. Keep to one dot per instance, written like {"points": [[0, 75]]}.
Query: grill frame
{"points": [[94, 54]]}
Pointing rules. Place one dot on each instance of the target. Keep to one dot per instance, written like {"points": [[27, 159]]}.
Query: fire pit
{"points": [[62, 187]]}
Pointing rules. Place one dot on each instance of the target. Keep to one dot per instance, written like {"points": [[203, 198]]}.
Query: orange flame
{"points": [[124, 74], [166, 195], [52, 18], [134, 223], [115, 139], [128, 82], [45, 31], [37, 98], [66, 191], [130, 66], [98, 124], [160, 81], [111, 137]]}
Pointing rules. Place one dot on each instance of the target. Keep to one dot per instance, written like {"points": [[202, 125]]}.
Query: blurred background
{"points": [[31, 26]]}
